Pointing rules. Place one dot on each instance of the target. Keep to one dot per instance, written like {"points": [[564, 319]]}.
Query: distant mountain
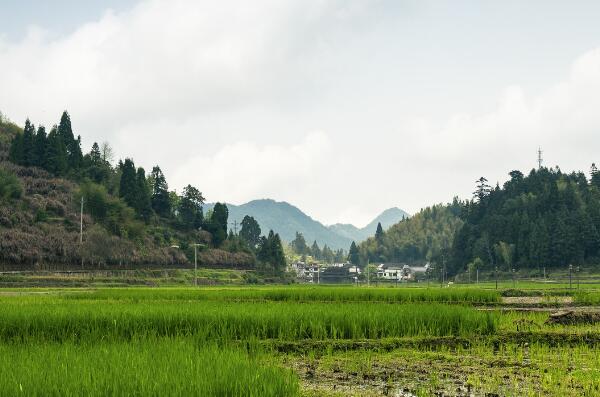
{"points": [[387, 218], [286, 220]]}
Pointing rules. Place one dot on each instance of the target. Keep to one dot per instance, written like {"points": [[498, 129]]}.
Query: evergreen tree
{"points": [[483, 189], [95, 155], [95, 167], [72, 145], [218, 223], [270, 252], [328, 254], [28, 144], [143, 199], [379, 233], [250, 231], [40, 146], [128, 183], [299, 245], [315, 251], [161, 201], [56, 161], [353, 254], [595, 176]]}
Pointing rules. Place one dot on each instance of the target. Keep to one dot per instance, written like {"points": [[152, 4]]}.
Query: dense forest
{"points": [[130, 217], [545, 219], [423, 237]]}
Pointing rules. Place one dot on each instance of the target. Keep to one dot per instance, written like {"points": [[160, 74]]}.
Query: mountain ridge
{"points": [[287, 219]]}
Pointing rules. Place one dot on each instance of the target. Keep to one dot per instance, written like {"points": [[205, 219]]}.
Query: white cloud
{"points": [[244, 171], [224, 95]]}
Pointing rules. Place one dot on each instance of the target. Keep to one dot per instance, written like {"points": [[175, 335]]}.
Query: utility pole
{"points": [[195, 264], [540, 159], [318, 274], [81, 231], [496, 275], [81, 223], [368, 275], [570, 276], [235, 224]]}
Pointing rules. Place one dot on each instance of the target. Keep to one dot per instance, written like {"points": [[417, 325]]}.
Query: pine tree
{"points": [[278, 256], [41, 147], [95, 155], [143, 198], [270, 252], [128, 184], [353, 254], [595, 176], [316, 251], [379, 233], [57, 154], [483, 189], [161, 201], [72, 145], [28, 144]]}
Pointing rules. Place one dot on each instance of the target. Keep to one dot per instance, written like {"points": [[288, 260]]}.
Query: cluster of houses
{"points": [[346, 272]]}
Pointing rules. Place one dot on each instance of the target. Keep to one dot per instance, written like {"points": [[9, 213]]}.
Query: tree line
{"points": [[129, 202], [313, 252], [547, 218]]}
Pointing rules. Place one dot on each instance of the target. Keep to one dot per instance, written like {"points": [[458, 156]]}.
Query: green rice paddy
{"points": [[288, 341]]}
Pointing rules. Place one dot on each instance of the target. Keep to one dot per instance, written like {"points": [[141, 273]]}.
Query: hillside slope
{"points": [[417, 239], [387, 218], [287, 220], [40, 215]]}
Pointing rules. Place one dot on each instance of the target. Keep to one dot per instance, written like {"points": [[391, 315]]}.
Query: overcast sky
{"points": [[342, 108]]}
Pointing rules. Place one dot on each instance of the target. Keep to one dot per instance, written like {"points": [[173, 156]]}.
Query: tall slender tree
{"points": [[161, 201], [57, 160], [40, 147]]}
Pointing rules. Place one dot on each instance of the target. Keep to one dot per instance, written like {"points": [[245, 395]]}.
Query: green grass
{"points": [[229, 341], [585, 298], [299, 294], [161, 367], [56, 319]]}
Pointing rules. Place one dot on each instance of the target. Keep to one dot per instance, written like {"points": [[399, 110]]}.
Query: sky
{"points": [[342, 108]]}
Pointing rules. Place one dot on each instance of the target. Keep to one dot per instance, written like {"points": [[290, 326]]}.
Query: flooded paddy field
{"points": [[299, 340]]}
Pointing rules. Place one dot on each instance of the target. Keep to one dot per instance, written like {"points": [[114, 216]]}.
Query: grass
{"points": [[299, 294], [232, 341], [57, 319], [587, 298], [173, 367]]}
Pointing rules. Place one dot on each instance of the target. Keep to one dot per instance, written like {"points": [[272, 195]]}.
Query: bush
{"points": [[10, 187]]}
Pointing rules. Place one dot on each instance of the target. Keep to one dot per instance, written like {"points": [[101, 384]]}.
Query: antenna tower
{"points": [[540, 160]]}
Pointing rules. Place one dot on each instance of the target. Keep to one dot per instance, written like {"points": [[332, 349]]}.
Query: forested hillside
{"points": [[423, 237], [130, 217], [545, 219]]}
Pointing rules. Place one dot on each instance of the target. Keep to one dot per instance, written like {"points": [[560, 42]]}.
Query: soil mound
{"points": [[573, 317]]}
